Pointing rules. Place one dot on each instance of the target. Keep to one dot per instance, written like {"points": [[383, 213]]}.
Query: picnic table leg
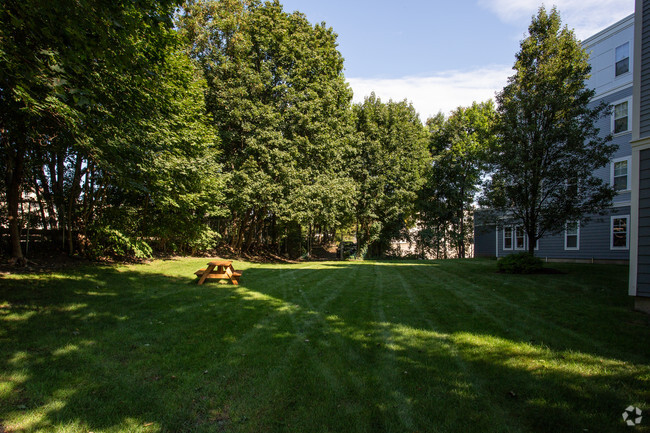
{"points": [[209, 269], [231, 274]]}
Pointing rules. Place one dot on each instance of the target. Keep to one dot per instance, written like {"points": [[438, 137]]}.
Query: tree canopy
{"points": [[390, 158], [548, 147], [93, 94], [154, 125], [460, 145], [281, 106]]}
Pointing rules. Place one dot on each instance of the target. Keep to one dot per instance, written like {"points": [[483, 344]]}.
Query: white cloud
{"points": [[587, 17], [442, 92], [448, 90]]}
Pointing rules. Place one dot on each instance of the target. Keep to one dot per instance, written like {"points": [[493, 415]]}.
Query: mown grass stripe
{"points": [[519, 316], [475, 380], [144, 349], [391, 375]]}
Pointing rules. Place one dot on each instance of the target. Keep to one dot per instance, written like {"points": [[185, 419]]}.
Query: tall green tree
{"points": [[391, 156], [281, 106], [165, 183], [460, 146], [549, 146], [65, 68]]}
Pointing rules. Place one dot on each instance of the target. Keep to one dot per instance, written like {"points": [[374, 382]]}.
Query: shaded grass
{"points": [[330, 346]]}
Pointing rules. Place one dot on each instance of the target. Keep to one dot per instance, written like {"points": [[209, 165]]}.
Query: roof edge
{"points": [[614, 28]]}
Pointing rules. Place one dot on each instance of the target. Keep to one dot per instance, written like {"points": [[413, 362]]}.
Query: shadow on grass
{"points": [[372, 346]]}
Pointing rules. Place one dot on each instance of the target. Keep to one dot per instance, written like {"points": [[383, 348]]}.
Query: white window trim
{"points": [[629, 172], [577, 247], [629, 62], [611, 233], [512, 238], [629, 116], [513, 244]]}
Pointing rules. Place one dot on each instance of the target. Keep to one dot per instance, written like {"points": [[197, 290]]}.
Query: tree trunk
{"points": [[44, 187], [88, 201], [57, 174], [309, 238], [461, 223], [13, 201], [531, 244], [15, 172], [75, 191], [251, 232], [367, 240], [461, 240], [286, 241], [442, 247], [356, 237], [241, 232], [41, 206], [532, 238]]}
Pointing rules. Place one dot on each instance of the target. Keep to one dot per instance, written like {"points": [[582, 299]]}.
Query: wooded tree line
{"points": [[181, 126]]}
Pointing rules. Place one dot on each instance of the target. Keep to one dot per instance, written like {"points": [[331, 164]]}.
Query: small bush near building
{"points": [[520, 263]]}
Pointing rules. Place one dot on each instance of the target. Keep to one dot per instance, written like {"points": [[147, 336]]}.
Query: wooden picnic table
{"points": [[224, 271]]}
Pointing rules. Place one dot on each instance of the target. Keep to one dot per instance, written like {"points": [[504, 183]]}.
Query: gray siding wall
{"points": [[644, 126], [643, 273], [594, 239], [484, 234], [484, 241], [622, 140]]}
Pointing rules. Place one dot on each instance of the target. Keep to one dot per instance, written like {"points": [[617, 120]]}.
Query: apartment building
{"points": [[603, 238]]}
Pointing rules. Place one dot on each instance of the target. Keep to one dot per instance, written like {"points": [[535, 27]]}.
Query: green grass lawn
{"points": [[447, 346]]}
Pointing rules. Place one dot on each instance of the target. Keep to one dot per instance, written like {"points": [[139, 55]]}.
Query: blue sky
{"points": [[441, 54]]}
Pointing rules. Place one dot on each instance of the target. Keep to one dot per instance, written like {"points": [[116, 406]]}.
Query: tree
{"points": [[281, 106], [460, 146], [548, 144], [391, 156], [65, 67], [162, 183]]}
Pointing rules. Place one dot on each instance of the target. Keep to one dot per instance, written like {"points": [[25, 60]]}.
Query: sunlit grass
{"points": [[447, 346]]}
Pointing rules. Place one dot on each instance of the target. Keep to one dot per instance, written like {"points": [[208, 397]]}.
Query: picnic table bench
{"points": [[224, 271]]}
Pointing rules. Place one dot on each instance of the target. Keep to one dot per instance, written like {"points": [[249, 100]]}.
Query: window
{"points": [[514, 237], [572, 235], [621, 116], [620, 170], [520, 238], [572, 187], [620, 232], [507, 238], [622, 59]]}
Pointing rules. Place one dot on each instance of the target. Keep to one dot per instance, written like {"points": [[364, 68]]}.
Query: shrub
{"points": [[521, 263], [113, 243], [204, 239]]}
